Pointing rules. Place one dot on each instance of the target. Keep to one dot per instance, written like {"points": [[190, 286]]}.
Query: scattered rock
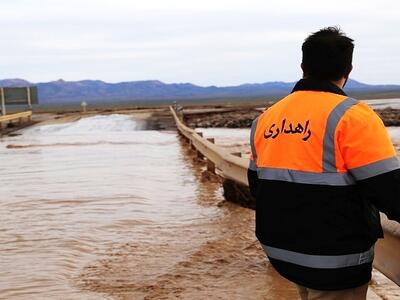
{"points": [[238, 193], [233, 119], [390, 116]]}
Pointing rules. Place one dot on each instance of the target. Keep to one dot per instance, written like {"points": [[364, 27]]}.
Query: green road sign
{"points": [[15, 96]]}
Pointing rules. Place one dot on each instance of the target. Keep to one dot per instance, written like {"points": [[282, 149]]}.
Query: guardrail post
{"points": [[3, 103], [210, 166], [238, 154], [199, 155], [191, 145]]}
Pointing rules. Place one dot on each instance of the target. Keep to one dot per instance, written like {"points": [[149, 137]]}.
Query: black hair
{"points": [[327, 54]]}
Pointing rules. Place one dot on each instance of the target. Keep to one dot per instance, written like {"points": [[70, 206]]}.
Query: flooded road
{"points": [[102, 209], [384, 103]]}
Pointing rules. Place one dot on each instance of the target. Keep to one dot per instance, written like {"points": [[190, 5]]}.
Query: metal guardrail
{"points": [[387, 250], [230, 166], [16, 116]]}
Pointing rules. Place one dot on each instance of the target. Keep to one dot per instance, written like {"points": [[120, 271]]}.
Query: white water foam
{"points": [[90, 125], [113, 130], [394, 133], [383, 103]]}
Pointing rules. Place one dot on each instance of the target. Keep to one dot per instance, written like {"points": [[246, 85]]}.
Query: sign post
{"points": [[84, 105], [3, 103], [28, 92]]}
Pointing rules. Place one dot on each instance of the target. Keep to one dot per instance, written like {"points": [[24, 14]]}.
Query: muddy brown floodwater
{"points": [[103, 208], [100, 208]]}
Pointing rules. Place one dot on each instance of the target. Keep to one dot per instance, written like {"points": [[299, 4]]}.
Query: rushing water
{"points": [[103, 209], [70, 191], [383, 103], [100, 208]]}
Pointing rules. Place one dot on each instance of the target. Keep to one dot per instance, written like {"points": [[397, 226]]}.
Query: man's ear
{"points": [[302, 68]]}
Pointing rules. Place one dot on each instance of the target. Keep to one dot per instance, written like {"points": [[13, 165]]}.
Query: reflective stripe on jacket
{"points": [[309, 150]]}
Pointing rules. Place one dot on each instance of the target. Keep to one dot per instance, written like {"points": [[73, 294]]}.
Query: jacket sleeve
{"points": [[252, 170], [371, 159], [384, 192], [252, 177]]}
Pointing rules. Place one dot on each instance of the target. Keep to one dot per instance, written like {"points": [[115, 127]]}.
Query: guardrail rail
{"points": [[231, 167], [17, 116]]}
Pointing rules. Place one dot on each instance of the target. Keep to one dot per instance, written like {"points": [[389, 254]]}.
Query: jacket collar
{"points": [[308, 84]]}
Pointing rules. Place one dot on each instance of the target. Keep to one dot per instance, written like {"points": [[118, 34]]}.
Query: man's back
{"points": [[310, 150]]}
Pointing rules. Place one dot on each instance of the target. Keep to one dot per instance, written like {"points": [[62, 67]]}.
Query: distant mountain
{"points": [[14, 83], [60, 91]]}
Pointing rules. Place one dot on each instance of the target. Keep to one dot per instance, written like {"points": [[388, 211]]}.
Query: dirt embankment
{"points": [[233, 118], [390, 116], [241, 117]]}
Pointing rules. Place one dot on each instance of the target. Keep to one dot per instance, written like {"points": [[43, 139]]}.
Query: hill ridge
{"points": [[61, 91]]}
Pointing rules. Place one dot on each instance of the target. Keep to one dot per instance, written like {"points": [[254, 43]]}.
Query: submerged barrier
{"points": [[17, 116], [233, 169]]}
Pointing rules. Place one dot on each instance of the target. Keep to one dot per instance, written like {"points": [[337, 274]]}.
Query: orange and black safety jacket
{"points": [[322, 166]]}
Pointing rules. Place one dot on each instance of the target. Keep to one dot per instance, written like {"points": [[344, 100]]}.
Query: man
{"points": [[322, 166]]}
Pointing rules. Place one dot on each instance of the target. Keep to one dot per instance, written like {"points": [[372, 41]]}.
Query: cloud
{"points": [[205, 42]]}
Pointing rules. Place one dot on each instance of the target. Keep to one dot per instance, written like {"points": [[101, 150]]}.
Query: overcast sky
{"points": [[205, 42]]}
